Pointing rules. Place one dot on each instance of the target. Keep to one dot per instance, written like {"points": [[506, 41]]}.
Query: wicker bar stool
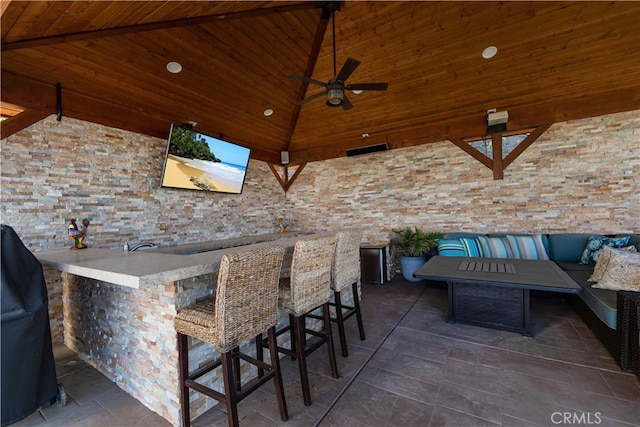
{"points": [[244, 307], [308, 288], [346, 272]]}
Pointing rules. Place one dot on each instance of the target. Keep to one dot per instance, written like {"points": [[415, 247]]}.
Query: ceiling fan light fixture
{"points": [[335, 97], [335, 88]]}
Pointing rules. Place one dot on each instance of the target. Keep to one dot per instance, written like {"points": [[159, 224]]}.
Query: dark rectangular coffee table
{"points": [[494, 292]]}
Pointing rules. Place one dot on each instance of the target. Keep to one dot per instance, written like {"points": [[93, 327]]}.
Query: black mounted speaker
{"points": [[366, 150]]}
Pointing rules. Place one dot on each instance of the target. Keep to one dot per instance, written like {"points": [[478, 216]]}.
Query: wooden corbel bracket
{"points": [[284, 180], [499, 164]]}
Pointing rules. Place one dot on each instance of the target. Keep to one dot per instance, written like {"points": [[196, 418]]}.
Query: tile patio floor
{"points": [[414, 369]]}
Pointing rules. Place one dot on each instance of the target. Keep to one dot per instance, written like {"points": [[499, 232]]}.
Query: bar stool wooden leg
{"points": [[327, 329], [292, 333], [356, 303], [299, 331], [340, 322], [260, 354], [277, 379], [303, 292], [229, 386], [183, 362], [346, 274], [243, 307], [236, 369]]}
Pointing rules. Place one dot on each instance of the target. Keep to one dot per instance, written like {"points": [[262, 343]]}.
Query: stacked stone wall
{"points": [[52, 171], [579, 176]]}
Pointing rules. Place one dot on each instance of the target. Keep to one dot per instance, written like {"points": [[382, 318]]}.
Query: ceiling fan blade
{"points": [[367, 86], [307, 79], [348, 68], [346, 104], [311, 98]]}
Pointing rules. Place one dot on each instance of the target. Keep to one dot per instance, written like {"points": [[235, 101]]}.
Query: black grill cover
{"points": [[28, 369]]}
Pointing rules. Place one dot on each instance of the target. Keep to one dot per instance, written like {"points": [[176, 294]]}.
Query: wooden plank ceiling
{"points": [[556, 61]]}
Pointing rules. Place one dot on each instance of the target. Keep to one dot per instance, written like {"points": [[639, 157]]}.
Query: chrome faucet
{"points": [[142, 245]]}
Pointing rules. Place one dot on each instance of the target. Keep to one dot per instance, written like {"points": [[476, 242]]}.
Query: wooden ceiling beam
{"points": [[9, 110], [466, 126], [131, 29], [18, 122], [311, 65], [27, 93], [469, 120], [42, 96], [41, 102], [551, 68]]}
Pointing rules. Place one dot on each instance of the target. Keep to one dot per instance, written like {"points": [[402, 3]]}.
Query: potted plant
{"points": [[414, 246]]}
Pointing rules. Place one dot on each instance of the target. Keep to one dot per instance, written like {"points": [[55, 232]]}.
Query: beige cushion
{"points": [[603, 262], [622, 272]]}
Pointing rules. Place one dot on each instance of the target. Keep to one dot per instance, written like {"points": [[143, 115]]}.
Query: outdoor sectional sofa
{"points": [[613, 315]]}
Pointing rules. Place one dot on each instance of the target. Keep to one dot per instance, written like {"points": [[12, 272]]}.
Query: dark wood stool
{"points": [[346, 272], [308, 289], [245, 306]]}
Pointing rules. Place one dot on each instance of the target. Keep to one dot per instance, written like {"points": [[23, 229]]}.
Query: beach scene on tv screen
{"points": [[200, 162]]}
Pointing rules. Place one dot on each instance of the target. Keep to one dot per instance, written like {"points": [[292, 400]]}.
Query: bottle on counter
{"points": [[126, 247]]}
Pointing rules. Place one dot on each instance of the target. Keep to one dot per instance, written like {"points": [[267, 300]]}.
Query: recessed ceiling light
{"points": [[489, 52], [357, 91], [268, 112], [174, 67]]}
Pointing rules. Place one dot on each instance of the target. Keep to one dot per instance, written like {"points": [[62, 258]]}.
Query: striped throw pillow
{"points": [[527, 247], [472, 247], [450, 247], [495, 247]]}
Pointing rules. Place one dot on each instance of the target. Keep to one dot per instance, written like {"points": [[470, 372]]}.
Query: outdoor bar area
{"points": [[119, 310], [201, 194]]}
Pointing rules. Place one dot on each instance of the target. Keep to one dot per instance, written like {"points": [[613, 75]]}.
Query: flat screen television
{"points": [[196, 161]]}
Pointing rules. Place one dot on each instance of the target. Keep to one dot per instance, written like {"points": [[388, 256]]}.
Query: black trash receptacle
{"points": [[28, 379]]}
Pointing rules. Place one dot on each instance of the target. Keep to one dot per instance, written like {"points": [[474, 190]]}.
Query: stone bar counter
{"points": [[118, 311]]}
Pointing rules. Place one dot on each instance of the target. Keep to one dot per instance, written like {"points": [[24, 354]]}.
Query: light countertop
{"points": [[142, 267]]}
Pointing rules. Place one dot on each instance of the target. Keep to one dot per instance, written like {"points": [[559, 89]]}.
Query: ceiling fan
{"points": [[336, 87]]}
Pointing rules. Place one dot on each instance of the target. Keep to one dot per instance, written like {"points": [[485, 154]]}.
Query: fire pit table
{"points": [[493, 292]]}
